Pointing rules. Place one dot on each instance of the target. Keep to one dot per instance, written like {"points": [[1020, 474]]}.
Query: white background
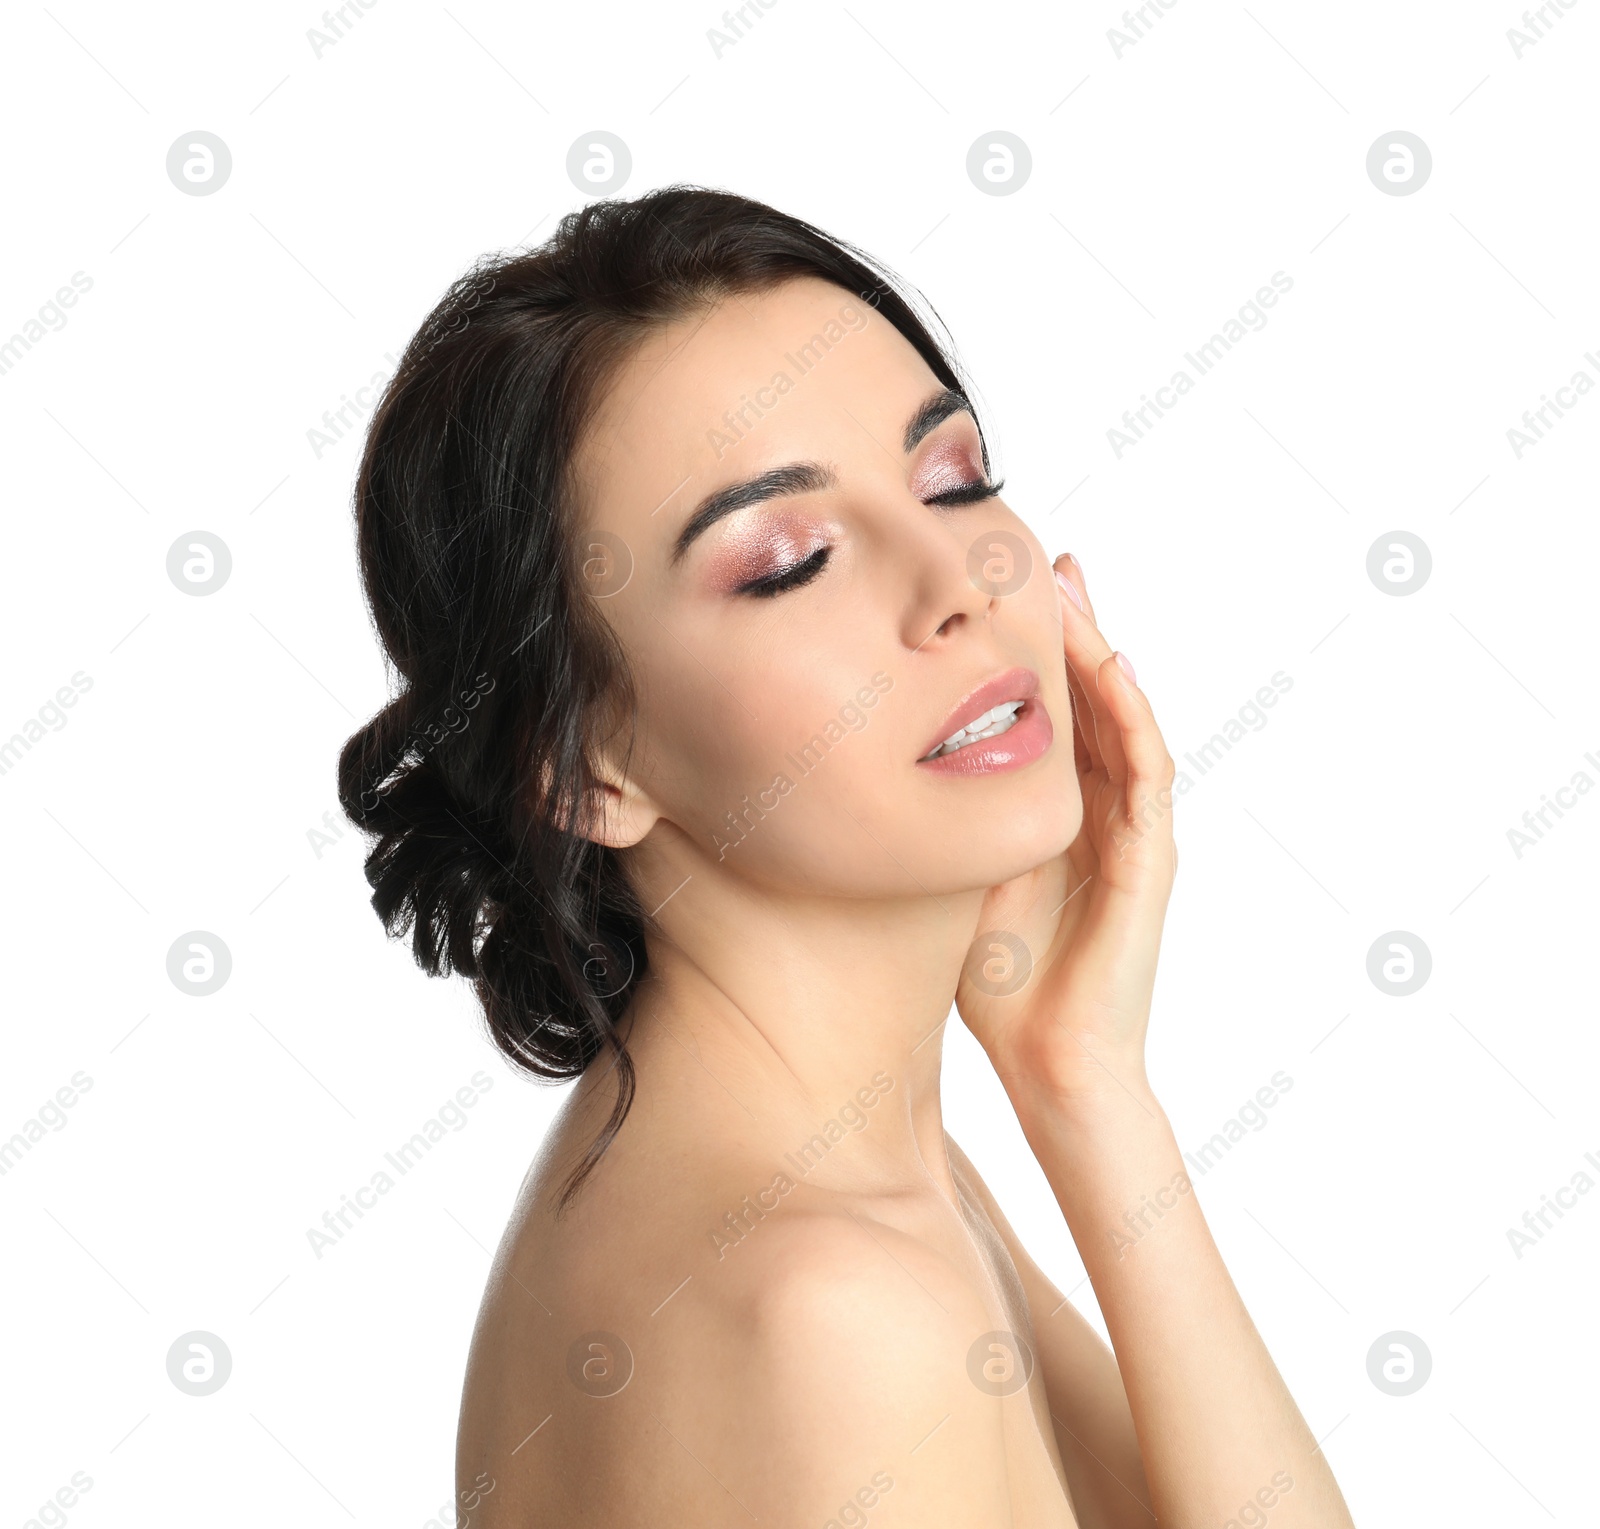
{"points": [[1168, 184]]}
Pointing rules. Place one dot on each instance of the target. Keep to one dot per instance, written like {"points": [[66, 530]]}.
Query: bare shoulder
{"points": [[700, 1346], [856, 1373]]}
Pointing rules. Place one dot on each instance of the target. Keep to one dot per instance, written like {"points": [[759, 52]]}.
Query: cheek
{"points": [[787, 776], [724, 731]]}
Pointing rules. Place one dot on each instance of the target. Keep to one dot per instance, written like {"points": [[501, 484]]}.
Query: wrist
{"points": [[1105, 1146], [1093, 1090], [1099, 1130]]}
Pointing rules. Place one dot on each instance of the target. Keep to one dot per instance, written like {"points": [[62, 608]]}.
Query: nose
{"points": [[959, 571]]}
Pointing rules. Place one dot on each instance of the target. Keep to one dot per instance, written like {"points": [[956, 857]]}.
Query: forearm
{"points": [[1217, 1427]]}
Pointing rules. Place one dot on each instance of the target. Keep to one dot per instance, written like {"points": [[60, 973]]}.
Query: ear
{"points": [[626, 814]]}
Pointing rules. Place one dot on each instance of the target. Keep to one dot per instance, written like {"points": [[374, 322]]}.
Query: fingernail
{"points": [[1075, 563], [1127, 668], [1067, 587]]}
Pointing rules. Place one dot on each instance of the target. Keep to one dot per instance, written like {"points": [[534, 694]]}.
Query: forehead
{"points": [[754, 380]]}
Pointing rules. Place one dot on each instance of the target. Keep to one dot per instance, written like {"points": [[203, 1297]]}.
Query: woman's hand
{"points": [[1212, 1417], [1089, 920]]}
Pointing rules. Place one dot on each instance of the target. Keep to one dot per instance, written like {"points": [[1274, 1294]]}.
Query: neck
{"points": [[808, 1017]]}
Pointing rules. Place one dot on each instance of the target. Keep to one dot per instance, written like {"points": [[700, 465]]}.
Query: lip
{"points": [[1027, 737]]}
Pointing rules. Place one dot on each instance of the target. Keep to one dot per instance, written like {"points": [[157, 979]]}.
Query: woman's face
{"points": [[782, 732]]}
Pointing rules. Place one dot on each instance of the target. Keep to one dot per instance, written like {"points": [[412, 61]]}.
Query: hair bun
{"points": [[437, 863], [372, 755]]}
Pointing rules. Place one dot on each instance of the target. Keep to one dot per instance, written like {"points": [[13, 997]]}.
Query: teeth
{"points": [[991, 724]]}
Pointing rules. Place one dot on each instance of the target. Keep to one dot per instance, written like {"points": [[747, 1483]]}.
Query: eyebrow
{"points": [[808, 477]]}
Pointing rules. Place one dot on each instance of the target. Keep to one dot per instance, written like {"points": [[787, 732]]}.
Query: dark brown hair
{"points": [[477, 780]]}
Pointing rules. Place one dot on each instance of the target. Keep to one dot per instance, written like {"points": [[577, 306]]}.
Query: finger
{"points": [[1086, 749], [1149, 766], [1081, 580], [1085, 753], [1086, 651]]}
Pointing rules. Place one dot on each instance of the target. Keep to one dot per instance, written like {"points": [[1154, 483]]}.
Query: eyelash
{"points": [[805, 571]]}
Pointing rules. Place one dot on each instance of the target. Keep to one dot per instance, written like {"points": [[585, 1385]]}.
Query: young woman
{"points": [[744, 728]]}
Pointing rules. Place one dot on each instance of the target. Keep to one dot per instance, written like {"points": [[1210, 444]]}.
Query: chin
{"points": [[1044, 837], [1010, 841]]}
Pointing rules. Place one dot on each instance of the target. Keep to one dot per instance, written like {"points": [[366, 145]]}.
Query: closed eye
{"points": [[804, 572], [968, 493], [791, 578]]}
